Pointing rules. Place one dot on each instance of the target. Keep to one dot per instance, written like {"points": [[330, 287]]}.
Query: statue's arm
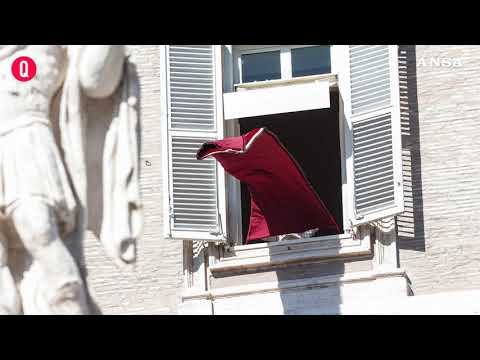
{"points": [[100, 69]]}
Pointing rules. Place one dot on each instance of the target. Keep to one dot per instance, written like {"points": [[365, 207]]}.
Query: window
{"points": [[261, 66], [313, 139], [263, 63], [310, 61], [356, 137]]}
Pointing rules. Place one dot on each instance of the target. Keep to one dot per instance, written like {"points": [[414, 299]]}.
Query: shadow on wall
{"points": [[322, 296], [410, 225], [321, 293], [283, 289], [283, 285]]}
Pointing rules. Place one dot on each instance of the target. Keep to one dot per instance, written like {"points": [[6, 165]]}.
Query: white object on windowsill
{"points": [[332, 79], [277, 100]]}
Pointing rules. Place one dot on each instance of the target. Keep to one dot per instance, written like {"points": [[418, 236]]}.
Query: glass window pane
{"points": [[311, 61], [261, 66]]}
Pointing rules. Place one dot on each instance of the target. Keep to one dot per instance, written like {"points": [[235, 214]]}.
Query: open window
{"points": [[313, 139], [335, 108]]}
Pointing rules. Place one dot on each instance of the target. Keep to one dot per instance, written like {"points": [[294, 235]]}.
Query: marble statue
{"points": [[46, 176]]}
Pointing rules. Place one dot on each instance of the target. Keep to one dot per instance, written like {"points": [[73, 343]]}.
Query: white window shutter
{"points": [[370, 91], [193, 114]]}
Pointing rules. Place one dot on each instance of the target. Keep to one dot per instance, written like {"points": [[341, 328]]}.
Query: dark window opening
{"points": [[313, 139]]}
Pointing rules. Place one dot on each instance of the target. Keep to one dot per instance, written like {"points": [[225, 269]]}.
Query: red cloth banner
{"points": [[282, 200]]}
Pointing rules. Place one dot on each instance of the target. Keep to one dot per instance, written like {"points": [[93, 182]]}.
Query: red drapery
{"points": [[282, 200]]}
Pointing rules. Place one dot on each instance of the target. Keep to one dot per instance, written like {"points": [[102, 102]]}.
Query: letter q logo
{"points": [[24, 68]]}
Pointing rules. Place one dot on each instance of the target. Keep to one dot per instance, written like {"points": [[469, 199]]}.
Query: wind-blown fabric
{"points": [[282, 200]]}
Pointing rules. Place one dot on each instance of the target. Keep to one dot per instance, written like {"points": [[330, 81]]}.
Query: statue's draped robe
{"points": [[121, 215], [68, 178]]}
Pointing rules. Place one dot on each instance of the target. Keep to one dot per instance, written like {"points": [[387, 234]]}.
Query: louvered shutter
{"points": [[370, 92], [192, 80]]}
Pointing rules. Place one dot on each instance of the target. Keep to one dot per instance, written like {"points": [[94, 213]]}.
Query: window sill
{"points": [[332, 79], [269, 255]]}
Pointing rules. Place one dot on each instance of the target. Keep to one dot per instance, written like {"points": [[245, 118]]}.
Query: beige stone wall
{"points": [[153, 287], [439, 244]]}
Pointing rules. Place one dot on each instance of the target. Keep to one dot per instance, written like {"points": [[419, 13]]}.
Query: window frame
{"points": [[203, 260], [272, 254], [285, 60]]}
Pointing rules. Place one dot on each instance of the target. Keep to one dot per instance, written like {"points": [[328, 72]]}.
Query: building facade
{"points": [[396, 145]]}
